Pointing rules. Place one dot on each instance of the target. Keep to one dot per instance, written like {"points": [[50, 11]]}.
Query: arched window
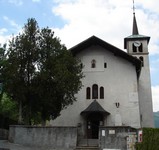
{"points": [[134, 48], [105, 65], [142, 60], [93, 63], [101, 92], [140, 48], [88, 93], [95, 91]]}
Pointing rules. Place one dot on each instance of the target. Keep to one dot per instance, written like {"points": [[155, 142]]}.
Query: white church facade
{"points": [[116, 87]]}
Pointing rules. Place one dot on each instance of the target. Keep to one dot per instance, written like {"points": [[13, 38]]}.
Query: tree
{"points": [[20, 67], [40, 73], [8, 108], [2, 62], [58, 79]]}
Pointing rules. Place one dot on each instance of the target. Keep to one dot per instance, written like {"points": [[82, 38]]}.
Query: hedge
{"points": [[150, 139]]}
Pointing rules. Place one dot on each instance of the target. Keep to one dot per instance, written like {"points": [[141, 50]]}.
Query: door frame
{"points": [[94, 120]]}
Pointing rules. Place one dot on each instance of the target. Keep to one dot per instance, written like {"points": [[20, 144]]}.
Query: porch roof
{"points": [[94, 107]]}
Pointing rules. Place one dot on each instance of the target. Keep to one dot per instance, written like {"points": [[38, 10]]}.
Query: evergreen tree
{"points": [[58, 79], [2, 62], [20, 68], [40, 73]]}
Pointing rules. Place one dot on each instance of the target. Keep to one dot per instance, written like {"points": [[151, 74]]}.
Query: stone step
{"points": [[87, 148], [88, 142]]}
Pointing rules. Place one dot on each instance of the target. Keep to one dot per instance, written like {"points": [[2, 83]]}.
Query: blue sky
{"points": [[76, 20]]}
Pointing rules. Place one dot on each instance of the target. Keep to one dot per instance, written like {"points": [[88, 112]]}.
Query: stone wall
{"points": [[117, 138], [55, 137], [3, 134]]}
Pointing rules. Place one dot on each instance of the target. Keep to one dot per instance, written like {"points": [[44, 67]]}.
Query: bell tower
{"points": [[137, 46]]}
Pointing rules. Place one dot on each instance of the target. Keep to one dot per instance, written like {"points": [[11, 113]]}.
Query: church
{"points": [[116, 87]]}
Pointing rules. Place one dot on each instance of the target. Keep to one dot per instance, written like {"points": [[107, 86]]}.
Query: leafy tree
{"points": [[59, 76], [8, 108], [40, 73], [2, 62], [20, 67]]}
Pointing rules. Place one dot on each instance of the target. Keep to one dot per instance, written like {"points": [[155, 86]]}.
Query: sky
{"points": [[76, 20]]}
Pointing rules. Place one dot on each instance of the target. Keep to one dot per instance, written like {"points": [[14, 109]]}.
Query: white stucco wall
{"points": [[120, 85], [144, 84], [145, 95]]}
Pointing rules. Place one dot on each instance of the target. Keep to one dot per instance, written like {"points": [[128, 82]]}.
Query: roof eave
{"points": [[93, 40], [135, 37]]}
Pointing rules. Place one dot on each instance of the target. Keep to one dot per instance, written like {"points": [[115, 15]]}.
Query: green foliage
{"points": [[40, 74], [8, 108], [58, 77], [2, 62], [150, 139], [20, 66]]}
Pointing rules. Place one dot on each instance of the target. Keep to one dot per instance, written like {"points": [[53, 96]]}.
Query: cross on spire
{"points": [[135, 28], [133, 7]]}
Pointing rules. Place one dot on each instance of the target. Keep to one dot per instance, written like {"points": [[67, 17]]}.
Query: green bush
{"points": [[150, 139]]}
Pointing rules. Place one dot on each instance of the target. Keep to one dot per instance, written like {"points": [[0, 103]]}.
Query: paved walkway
{"points": [[5, 145]]}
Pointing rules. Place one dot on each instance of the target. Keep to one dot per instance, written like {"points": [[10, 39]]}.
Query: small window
{"points": [[95, 91], [140, 48], [101, 92], [105, 65], [134, 48], [142, 60], [88, 93], [93, 64]]}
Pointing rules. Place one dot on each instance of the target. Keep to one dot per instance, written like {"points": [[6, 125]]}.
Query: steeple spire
{"points": [[135, 34], [135, 28]]}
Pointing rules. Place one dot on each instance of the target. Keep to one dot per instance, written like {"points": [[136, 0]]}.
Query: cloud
{"points": [[16, 2], [149, 5], [63, 1], [2, 31], [91, 17], [5, 34], [154, 69], [154, 65], [4, 39], [155, 97], [112, 22], [11, 22], [109, 20], [36, 0]]}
